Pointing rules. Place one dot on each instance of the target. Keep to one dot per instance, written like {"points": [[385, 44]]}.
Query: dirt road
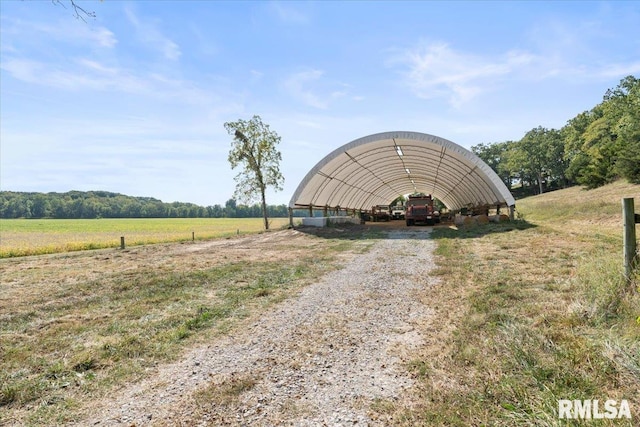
{"points": [[324, 357]]}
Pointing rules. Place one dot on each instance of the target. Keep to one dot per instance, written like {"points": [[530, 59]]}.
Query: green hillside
{"points": [[578, 210]]}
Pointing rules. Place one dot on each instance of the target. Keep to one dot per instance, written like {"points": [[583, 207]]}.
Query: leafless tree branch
{"points": [[79, 11]]}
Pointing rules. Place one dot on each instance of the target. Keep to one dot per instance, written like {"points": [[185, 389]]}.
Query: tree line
{"points": [[594, 148], [104, 204]]}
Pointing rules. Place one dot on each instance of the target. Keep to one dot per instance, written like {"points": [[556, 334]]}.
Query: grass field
{"points": [[20, 237], [532, 312], [75, 327], [526, 313]]}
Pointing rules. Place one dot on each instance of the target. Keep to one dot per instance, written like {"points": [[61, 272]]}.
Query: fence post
{"points": [[629, 237], [122, 242], [193, 236]]}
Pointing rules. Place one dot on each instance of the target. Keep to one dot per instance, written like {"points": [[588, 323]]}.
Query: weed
{"points": [[419, 368]]}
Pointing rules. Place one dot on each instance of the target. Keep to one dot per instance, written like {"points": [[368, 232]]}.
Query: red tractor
{"points": [[420, 210]]}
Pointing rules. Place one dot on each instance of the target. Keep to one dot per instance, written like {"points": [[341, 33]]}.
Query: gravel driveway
{"points": [[323, 357]]}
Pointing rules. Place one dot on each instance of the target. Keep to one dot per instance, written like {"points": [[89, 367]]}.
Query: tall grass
{"points": [[532, 312]]}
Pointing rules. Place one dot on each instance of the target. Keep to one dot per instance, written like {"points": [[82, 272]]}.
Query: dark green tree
{"points": [[603, 144], [539, 156], [625, 101], [496, 156]]}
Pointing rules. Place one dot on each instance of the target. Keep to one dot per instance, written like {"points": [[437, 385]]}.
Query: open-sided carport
{"points": [[378, 168]]}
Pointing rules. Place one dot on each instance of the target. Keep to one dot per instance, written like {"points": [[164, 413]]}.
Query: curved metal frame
{"points": [[378, 168]]}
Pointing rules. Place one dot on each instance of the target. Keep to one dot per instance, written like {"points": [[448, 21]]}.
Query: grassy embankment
{"points": [[20, 237], [531, 312]]}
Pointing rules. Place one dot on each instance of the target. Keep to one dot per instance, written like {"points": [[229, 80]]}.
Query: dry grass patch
{"points": [[528, 313], [68, 338], [224, 392]]}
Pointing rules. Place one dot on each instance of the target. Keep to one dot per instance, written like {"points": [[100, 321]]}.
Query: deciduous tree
{"points": [[625, 100], [254, 150], [603, 144], [496, 156]]}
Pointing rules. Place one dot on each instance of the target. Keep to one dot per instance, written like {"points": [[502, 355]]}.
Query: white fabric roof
{"points": [[378, 168]]}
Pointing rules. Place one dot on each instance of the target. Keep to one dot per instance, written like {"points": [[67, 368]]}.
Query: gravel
{"points": [[323, 357]]}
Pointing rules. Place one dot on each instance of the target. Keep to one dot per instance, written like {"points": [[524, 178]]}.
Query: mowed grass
{"points": [[67, 341], [20, 237], [531, 312]]}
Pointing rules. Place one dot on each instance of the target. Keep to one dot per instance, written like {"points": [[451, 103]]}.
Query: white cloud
{"points": [[436, 70], [104, 37], [98, 67], [575, 49], [287, 14], [620, 70], [89, 74], [310, 88], [297, 86], [79, 74], [152, 37], [22, 69], [75, 33]]}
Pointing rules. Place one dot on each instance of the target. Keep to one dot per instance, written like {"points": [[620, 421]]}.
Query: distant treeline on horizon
{"points": [[104, 204]]}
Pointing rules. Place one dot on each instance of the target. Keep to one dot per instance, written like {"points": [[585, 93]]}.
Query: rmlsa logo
{"points": [[591, 409]]}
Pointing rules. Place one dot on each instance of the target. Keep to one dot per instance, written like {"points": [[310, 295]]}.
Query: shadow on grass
{"points": [[398, 230], [345, 231], [479, 230]]}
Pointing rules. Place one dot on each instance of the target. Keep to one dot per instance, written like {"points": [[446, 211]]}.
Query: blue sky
{"points": [[134, 101]]}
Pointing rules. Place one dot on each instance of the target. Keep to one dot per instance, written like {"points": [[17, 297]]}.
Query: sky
{"points": [[134, 101]]}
